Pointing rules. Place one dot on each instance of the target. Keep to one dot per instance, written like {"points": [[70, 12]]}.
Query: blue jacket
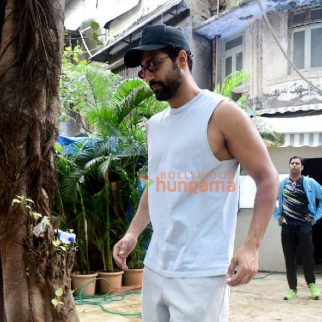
{"points": [[313, 191]]}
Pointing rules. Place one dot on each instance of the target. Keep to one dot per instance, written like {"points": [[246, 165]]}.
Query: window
{"points": [[306, 35], [233, 55]]}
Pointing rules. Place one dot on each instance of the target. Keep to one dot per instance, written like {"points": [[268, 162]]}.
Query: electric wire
{"points": [[283, 51]]}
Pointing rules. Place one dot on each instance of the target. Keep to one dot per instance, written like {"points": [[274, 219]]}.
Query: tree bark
{"points": [[32, 268]]}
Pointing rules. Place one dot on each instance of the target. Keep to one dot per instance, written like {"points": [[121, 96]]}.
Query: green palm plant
{"points": [[99, 181], [71, 178], [269, 136], [83, 85], [231, 82], [125, 113], [102, 176]]}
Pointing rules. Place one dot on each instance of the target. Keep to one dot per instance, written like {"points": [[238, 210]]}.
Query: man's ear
{"points": [[183, 58]]}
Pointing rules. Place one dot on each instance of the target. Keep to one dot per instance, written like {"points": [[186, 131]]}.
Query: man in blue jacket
{"points": [[296, 213]]}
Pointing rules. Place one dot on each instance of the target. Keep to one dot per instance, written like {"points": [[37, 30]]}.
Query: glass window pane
{"points": [[228, 66], [239, 61], [234, 43], [316, 14], [298, 48], [316, 47], [298, 18]]}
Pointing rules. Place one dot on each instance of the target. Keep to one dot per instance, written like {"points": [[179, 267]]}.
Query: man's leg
{"points": [[289, 244], [306, 251], [153, 307], [204, 299]]}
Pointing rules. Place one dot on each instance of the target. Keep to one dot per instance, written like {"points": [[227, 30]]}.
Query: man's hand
{"points": [[122, 249], [309, 218], [243, 266]]}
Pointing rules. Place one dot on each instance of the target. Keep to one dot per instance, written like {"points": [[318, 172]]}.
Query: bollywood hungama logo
{"points": [[193, 182]]}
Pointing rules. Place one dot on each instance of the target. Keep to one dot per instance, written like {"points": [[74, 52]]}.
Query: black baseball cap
{"points": [[154, 38]]}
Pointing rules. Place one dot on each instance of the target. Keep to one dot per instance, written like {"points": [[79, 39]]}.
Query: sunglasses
{"points": [[152, 66]]}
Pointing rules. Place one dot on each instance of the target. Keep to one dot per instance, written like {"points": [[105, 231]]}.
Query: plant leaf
{"points": [[54, 302], [59, 292]]}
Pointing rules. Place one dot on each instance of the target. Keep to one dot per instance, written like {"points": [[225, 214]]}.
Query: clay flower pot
{"points": [[84, 284], [110, 282], [133, 277]]}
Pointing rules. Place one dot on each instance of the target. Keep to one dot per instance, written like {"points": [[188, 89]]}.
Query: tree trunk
{"points": [[31, 267]]}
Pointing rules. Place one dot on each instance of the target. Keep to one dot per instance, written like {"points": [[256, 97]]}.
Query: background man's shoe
{"points": [[314, 291], [290, 295]]}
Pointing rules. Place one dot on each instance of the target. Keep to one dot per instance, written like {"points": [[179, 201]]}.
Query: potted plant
{"points": [[72, 196], [117, 116], [137, 184], [133, 276], [110, 279]]}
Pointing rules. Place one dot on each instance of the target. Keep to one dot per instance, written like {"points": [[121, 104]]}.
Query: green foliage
{"points": [[98, 181], [269, 136], [136, 257], [58, 295], [231, 82], [125, 113], [234, 3], [94, 25], [82, 84]]}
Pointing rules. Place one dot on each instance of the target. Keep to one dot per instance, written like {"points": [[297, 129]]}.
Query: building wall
{"points": [[271, 255], [199, 11], [200, 47], [282, 85], [202, 61], [127, 20], [275, 83]]}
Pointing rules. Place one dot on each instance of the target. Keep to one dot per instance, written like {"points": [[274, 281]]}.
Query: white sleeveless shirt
{"points": [[193, 196]]}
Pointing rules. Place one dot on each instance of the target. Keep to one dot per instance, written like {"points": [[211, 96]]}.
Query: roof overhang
{"points": [[77, 12], [298, 131], [236, 20], [168, 14], [291, 110]]}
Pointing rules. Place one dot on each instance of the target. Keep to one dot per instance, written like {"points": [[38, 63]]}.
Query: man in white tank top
{"points": [[194, 150]]}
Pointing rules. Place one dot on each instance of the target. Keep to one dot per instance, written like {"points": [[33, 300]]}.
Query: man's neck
{"points": [[187, 91], [295, 178]]}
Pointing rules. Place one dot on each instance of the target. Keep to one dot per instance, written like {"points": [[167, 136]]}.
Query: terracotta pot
{"points": [[110, 282], [84, 284], [133, 277]]}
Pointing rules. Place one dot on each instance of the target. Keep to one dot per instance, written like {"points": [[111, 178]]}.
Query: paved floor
{"points": [[261, 300]]}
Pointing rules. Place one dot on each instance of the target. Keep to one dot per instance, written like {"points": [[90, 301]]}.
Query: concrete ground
{"points": [[261, 300]]}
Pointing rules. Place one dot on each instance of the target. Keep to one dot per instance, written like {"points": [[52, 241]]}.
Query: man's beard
{"points": [[167, 89]]}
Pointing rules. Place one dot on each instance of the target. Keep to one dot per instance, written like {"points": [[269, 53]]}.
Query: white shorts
{"points": [[199, 299]]}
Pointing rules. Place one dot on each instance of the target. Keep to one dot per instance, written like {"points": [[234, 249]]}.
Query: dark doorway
{"points": [[312, 168]]}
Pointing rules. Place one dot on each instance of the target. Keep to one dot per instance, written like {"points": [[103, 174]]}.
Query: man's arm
{"points": [[318, 195], [125, 245], [243, 142], [277, 214]]}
